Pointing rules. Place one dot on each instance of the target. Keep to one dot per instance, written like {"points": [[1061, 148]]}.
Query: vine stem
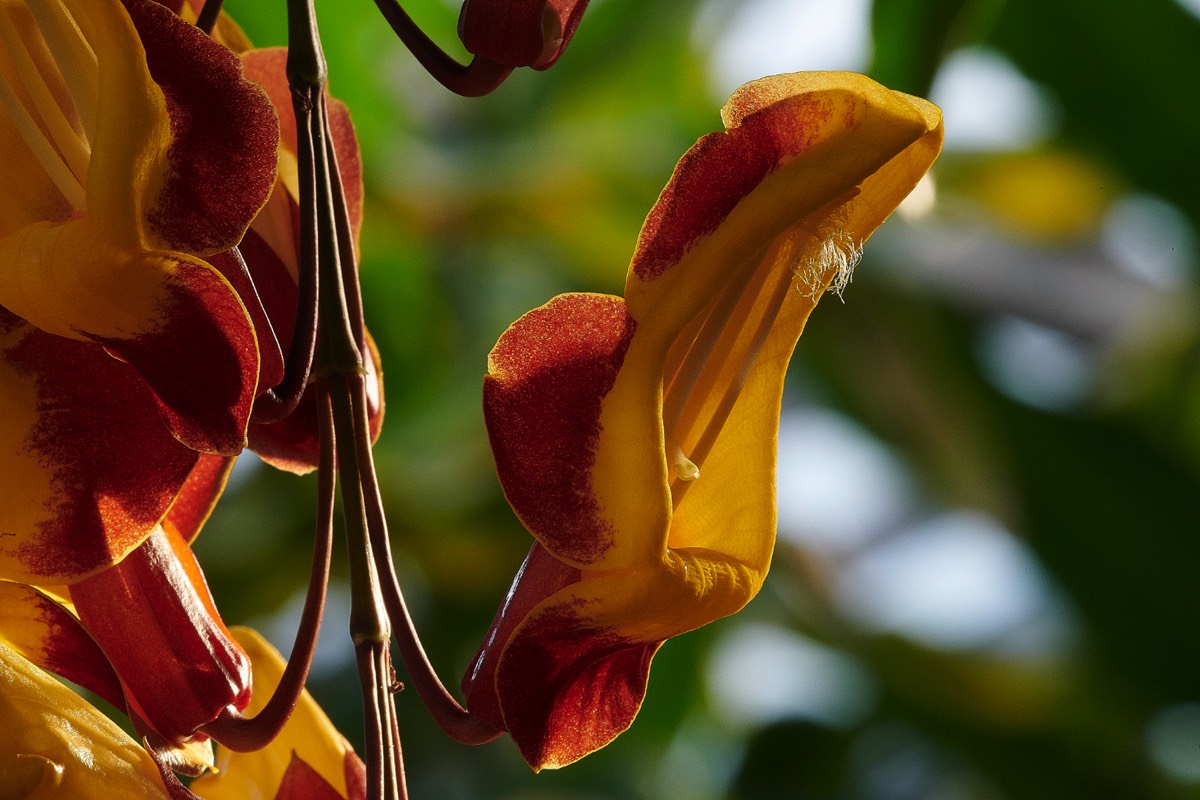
{"points": [[338, 374]]}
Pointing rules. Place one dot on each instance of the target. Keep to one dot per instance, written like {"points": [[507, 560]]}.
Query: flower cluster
{"points": [[175, 213]]}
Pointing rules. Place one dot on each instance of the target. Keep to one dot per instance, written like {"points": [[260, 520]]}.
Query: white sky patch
{"points": [[1035, 365], [755, 38], [1151, 239], [957, 581], [758, 674], [837, 484], [989, 105], [1191, 6], [1171, 740]]}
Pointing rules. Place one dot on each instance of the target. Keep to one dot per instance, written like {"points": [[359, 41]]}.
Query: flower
{"points": [[309, 759], [636, 438], [519, 33], [136, 156]]}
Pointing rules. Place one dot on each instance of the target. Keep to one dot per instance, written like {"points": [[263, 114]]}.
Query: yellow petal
{"points": [[55, 745]]}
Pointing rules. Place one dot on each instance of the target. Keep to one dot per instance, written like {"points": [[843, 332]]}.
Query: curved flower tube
{"points": [[636, 437], [54, 744], [309, 759], [127, 337]]}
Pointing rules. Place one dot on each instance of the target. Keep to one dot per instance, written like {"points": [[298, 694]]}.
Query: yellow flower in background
{"points": [[309, 759], [53, 744], [636, 437]]}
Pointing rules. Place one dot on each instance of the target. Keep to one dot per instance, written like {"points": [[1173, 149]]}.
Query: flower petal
{"points": [[308, 736], [548, 384], [53, 744], [84, 453], [519, 33], [154, 618], [572, 674], [46, 633], [199, 495], [795, 145], [220, 166]]}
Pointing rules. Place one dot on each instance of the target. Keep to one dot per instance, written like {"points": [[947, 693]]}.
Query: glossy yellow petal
{"points": [[309, 735], [55, 745]]}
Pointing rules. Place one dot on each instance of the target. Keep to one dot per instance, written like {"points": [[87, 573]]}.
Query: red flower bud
{"points": [[154, 618], [519, 33]]}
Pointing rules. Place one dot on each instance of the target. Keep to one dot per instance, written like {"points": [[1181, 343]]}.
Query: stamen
{"points": [[75, 58], [734, 331], [839, 252], [65, 158]]}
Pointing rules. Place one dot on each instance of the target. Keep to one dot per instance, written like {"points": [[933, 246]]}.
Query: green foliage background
{"points": [[479, 210]]}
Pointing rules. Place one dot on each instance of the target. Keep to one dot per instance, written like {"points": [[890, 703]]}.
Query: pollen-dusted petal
{"points": [[173, 317], [797, 146], [84, 457], [43, 631], [220, 166], [54, 744], [548, 378], [308, 736], [200, 359]]}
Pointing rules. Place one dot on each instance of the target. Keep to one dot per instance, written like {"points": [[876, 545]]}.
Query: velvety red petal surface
{"points": [[232, 266], [715, 174], [302, 782], [568, 688], [540, 576], [48, 635], [112, 468], [549, 374], [199, 494], [224, 134], [201, 361]]}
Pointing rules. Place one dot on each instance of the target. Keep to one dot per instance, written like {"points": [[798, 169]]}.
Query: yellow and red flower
{"points": [[635, 437], [128, 344]]}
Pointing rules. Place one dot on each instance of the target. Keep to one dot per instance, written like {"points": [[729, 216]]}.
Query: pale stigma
{"points": [[685, 470]]}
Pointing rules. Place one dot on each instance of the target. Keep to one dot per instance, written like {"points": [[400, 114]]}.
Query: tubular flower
{"points": [[636, 437], [519, 33], [309, 760], [136, 155]]}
